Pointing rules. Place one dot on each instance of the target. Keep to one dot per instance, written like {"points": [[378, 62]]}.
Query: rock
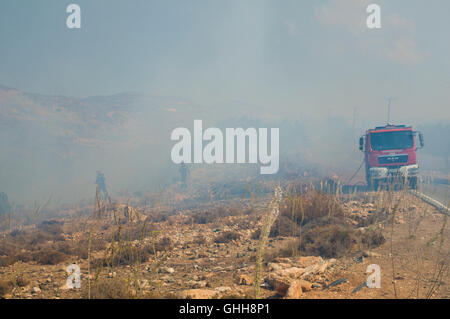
{"points": [[322, 268], [169, 270], [371, 254], [131, 214], [295, 290], [197, 284], [318, 268], [274, 267], [126, 213], [35, 290], [223, 289], [282, 260], [197, 294], [292, 272], [306, 285], [279, 283], [304, 262], [245, 280], [282, 275]]}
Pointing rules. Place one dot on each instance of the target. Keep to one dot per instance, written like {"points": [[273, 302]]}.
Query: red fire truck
{"points": [[390, 155]]}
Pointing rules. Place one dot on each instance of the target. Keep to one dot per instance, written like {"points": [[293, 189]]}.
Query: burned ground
{"points": [[210, 250]]}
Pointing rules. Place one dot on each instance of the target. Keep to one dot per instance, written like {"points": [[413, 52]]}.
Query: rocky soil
{"points": [[210, 252]]}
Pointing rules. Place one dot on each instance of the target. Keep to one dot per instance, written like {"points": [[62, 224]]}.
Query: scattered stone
{"points": [[278, 283], [245, 280], [293, 272], [197, 284], [223, 289], [371, 254], [295, 290], [304, 262], [169, 270], [197, 294], [35, 290]]}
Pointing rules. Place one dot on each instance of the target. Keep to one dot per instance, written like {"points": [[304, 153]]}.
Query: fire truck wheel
{"points": [[376, 185], [413, 182]]}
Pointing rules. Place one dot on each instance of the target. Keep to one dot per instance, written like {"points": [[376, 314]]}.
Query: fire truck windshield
{"points": [[391, 140]]}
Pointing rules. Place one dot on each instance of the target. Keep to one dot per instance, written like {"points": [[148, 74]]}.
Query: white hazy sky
{"points": [[286, 57]]}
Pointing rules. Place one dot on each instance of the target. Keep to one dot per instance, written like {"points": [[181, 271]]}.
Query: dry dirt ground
{"points": [[210, 252]]}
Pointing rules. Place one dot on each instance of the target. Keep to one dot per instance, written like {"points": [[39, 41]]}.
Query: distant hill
{"points": [[56, 143]]}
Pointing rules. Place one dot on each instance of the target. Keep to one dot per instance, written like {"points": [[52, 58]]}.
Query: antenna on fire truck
{"points": [[389, 100]]}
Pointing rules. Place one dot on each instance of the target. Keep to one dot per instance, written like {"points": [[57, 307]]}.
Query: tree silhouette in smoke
{"points": [[101, 185], [4, 204], [184, 174]]}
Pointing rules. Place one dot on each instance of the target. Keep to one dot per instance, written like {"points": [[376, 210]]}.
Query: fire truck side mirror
{"points": [[361, 143], [421, 140]]}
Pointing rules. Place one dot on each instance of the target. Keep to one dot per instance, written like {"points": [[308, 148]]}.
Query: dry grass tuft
{"points": [[109, 288]]}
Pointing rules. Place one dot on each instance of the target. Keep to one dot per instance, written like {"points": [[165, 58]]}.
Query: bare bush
{"points": [[227, 236]]}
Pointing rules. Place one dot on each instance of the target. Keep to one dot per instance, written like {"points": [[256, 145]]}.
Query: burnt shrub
{"points": [[329, 241], [306, 211], [284, 226], [123, 256], [364, 221], [200, 240], [64, 247], [52, 227], [38, 237], [21, 281], [286, 249], [5, 287], [82, 248], [372, 238], [49, 257], [7, 248], [129, 256], [157, 216], [311, 207], [205, 217], [227, 236], [333, 241], [17, 233], [108, 288], [134, 232], [5, 261], [24, 257], [256, 234], [163, 244]]}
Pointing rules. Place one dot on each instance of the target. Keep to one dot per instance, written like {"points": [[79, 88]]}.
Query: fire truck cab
{"points": [[390, 155]]}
